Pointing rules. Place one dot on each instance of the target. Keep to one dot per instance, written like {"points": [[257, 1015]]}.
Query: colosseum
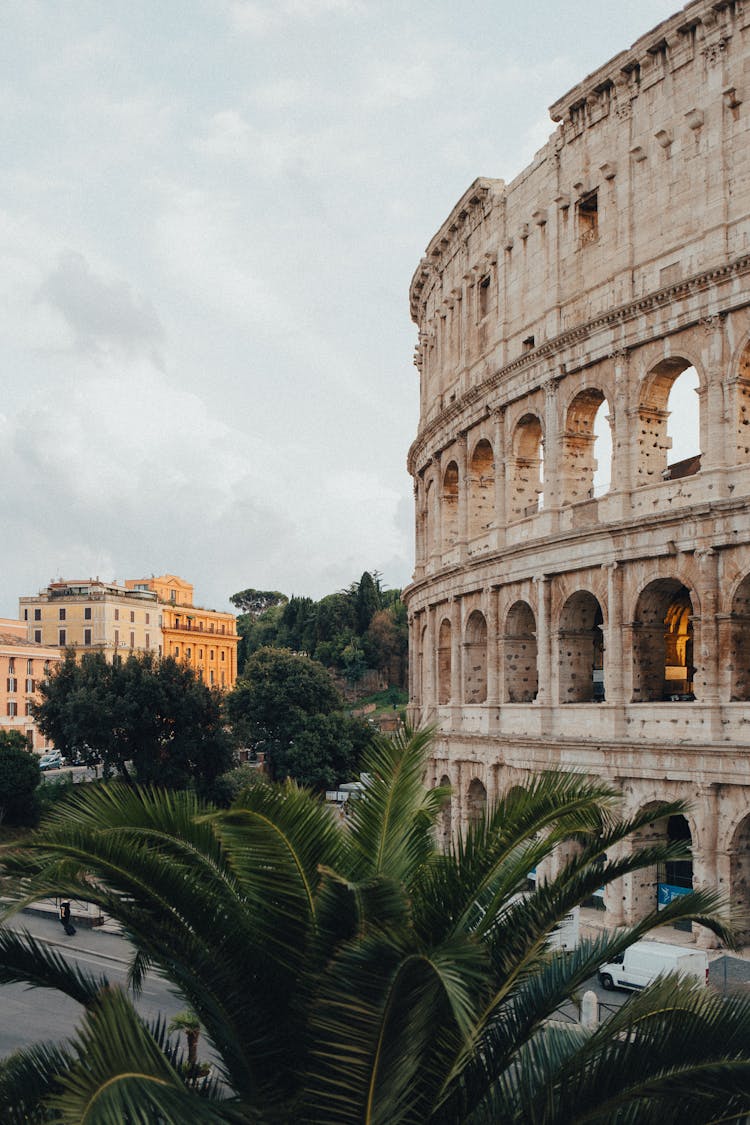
{"points": [[581, 594]]}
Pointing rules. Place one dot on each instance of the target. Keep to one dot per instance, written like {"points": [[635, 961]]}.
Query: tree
{"points": [[19, 779], [359, 975], [256, 602], [149, 714]]}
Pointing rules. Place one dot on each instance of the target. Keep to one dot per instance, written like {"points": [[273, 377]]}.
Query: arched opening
{"points": [[527, 471], [519, 643], [657, 885], [444, 661], [663, 643], [602, 450], [739, 654], [579, 446], [476, 802], [475, 659], [743, 407], [739, 877], [450, 506], [421, 668], [580, 650], [481, 489], [445, 824], [669, 423]]}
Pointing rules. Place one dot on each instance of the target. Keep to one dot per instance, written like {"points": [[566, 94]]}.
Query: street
{"points": [[31, 1015]]}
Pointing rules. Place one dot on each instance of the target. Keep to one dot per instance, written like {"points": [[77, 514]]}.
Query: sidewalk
{"points": [[82, 915]]}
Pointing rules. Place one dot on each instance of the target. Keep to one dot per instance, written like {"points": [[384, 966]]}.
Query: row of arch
{"points": [[671, 433], [662, 649], [655, 886]]}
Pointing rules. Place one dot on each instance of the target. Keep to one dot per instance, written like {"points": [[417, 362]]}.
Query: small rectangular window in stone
{"points": [[484, 297], [588, 217], [62, 613], [61, 638], [37, 615], [87, 636], [38, 636], [132, 640], [87, 613]]}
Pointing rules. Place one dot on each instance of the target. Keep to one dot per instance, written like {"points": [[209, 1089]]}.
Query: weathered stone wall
{"points": [[551, 625]]}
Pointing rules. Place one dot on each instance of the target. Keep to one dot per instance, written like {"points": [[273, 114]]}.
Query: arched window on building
{"points": [[739, 656], [475, 659], [659, 884], [476, 801], [520, 655], [663, 643], [444, 661], [526, 482], [581, 650], [580, 445], [481, 489], [449, 514], [669, 423], [739, 877]]}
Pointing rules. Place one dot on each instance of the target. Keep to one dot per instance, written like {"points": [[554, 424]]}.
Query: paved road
{"points": [[31, 1015]]}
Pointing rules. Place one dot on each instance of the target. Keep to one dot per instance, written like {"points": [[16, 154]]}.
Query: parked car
{"points": [[51, 760], [644, 961]]}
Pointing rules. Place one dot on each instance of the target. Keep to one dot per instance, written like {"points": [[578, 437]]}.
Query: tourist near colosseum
{"points": [[581, 595]]}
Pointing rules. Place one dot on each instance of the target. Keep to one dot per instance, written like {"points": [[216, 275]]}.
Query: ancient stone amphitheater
{"points": [[563, 615]]}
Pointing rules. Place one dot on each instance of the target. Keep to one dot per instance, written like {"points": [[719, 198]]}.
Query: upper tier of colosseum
{"points": [[557, 270]]}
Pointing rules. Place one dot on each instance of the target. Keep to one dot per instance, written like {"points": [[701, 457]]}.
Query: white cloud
{"points": [[259, 17]]}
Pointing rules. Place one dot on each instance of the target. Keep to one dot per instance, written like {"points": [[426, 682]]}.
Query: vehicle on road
{"points": [[51, 760], [644, 961]]}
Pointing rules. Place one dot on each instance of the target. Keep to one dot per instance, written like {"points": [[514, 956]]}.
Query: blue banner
{"points": [[665, 893]]}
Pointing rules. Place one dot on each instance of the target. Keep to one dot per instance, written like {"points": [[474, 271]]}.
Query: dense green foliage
{"points": [[19, 779], [255, 602], [358, 628], [288, 707], [149, 715], [357, 975]]}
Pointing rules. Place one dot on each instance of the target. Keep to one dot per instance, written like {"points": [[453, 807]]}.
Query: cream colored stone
{"points": [[619, 258]]}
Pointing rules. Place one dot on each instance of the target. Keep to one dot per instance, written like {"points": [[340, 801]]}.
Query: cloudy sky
{"points": [[210, 212]]}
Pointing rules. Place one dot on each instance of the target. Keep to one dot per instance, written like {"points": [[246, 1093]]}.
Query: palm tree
{"points": [[355, 973]]}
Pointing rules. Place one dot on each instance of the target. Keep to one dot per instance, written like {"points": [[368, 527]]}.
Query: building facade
{"points": [[206, 639], [22, 665], [93, 616], [556, 622]]}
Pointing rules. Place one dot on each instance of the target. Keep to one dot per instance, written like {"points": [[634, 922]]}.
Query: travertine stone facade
{"points": [[551, 625]]}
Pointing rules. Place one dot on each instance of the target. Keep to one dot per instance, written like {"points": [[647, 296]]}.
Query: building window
{"points": [[528, 344], [38, 636], [588, 217], [117, 637], [212, 654], [117, 615], [211, 677], [223, 681], [223, 629], [223, 654], [132, 640], [26, 615], [484, 297], [148, 640], [177, 650], [30, 685], [11, 684], [132, 616], [12, 708], [87, 636], [11, 664], [61, 638], [148, 618], [30, 737], [173, 596], [29, 667], [37, 615], [28, 709], [87, 613], [62, 612], [200, 653]]}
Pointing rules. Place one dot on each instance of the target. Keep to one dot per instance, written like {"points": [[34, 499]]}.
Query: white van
{"points": [[644, 961]]}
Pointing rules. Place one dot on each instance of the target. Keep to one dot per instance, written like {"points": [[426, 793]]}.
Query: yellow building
{"points": [[22, 665], [206, 639], [93, 616]]}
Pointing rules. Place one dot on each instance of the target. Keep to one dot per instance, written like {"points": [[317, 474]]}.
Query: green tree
{"points": [[19, 779], [349, 975], [257, 602], [280, 705], [367, 601], [151, 715]]}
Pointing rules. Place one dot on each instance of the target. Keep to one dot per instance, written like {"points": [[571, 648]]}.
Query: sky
{"points": [[210, 213]]}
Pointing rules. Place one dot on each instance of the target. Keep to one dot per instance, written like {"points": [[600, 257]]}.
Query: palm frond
{"points": [[391, 831], [27, 1078], [25, 960]]}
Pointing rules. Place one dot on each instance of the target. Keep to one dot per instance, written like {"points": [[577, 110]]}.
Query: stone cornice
{"points": [[619, 315]]}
